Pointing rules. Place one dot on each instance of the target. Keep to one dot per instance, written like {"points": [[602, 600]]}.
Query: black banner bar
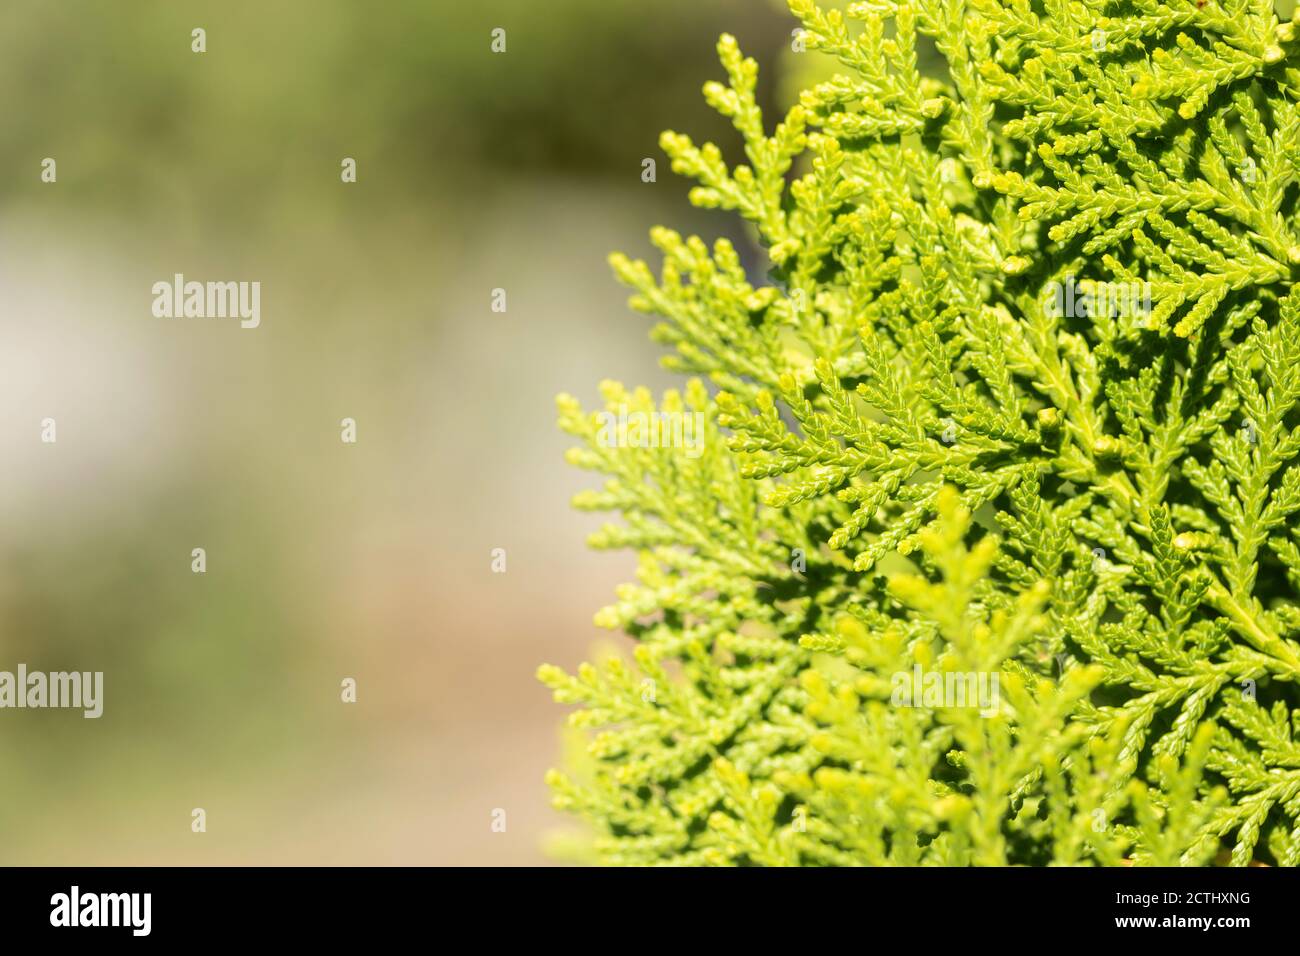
{"points": [[137, 906]]}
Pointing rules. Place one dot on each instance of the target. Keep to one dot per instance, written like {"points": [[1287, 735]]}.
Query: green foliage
{"points": [[920, 461]]}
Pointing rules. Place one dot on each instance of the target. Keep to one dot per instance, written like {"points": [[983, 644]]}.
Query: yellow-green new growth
{"points": [[941, 454]]}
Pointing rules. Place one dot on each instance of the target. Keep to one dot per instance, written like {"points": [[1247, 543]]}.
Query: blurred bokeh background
{"points": [[476, 170]]}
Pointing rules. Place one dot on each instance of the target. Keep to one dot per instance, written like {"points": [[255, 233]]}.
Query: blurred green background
{"points": [[325, 560]]}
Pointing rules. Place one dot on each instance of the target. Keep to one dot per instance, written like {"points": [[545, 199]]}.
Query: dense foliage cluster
{"points": [[1017, 397]]}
